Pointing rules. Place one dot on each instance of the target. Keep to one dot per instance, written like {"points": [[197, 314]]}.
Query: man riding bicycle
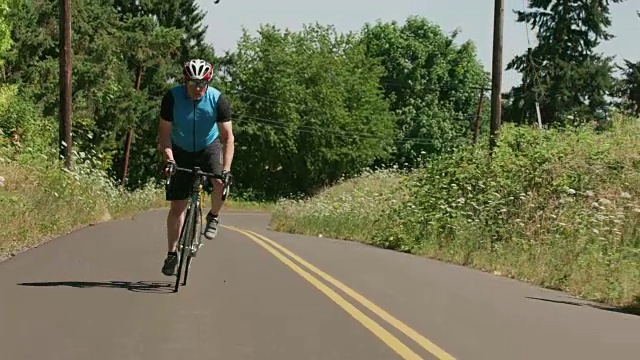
{"points": [[195, 129]]}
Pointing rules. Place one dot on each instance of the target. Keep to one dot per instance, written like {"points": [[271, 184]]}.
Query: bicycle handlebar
{"points": [[199, 172], [226, 180]]}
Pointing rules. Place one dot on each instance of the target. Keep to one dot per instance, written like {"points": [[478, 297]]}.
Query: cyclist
{"points": [[195, 128]]}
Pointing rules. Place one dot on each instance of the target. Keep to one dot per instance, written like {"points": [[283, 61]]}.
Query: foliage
{"points": [[311, 106], [563, 72], [118, 74], [70, 200], [351, 209], [629, 89], [432, 84], [24, 129], [5, 34], [558, 208], [32, 181], [319, 114]]}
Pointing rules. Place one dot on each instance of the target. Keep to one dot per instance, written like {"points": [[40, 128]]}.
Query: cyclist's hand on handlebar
{"points": [[169, 168], [226, 176]]}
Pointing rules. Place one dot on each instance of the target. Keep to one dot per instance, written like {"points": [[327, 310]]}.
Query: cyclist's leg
{"points": [[177, 194], [175, 218], [212, 162]]}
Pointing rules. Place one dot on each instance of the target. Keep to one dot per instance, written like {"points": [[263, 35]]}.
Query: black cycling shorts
{"points": [[209, 159]]}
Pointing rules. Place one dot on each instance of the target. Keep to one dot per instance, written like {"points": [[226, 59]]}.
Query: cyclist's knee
{"points": [[217, 185], [177, 207]]}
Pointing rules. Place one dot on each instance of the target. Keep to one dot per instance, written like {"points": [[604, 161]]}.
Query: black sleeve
{"points": [[224, 109], [166, 107]]}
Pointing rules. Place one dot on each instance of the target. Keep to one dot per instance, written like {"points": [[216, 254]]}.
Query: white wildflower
{"points": [[605, 201]]}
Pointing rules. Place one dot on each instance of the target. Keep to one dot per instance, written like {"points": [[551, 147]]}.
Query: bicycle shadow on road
{"points": [[154, 287]]}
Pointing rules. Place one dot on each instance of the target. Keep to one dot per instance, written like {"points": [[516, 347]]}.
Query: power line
{"points": [[338, 132], [300, 106]]}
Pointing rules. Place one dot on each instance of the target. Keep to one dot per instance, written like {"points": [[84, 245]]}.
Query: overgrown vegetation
{"points": [[558, 208], [124, 52], [316, 105], [39, 201], [299, 125]]}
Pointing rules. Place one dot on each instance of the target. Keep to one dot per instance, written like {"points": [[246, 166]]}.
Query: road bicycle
{"points": [[190, 240]]}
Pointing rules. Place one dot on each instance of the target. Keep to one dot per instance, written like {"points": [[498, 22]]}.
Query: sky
{"points": [[474, 18]]}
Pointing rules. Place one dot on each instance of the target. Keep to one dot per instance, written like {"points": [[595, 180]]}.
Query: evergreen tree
{"points": [[563, 71], [630, 86], [187, 16]]}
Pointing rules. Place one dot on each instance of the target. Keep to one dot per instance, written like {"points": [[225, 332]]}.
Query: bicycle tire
{"points": [[195, 233], [184, 243]]}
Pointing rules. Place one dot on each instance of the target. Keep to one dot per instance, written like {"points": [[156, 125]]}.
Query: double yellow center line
{"points": [[392, 341]]}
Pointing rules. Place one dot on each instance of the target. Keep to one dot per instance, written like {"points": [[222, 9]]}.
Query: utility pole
{"points": [[64, 132], [127, 145], [496, 74]]}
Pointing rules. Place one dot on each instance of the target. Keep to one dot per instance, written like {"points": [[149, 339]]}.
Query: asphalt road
{"points": [[98, 294]]}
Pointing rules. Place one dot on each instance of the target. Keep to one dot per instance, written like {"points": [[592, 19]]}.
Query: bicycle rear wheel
{"points": [[185, 242]]}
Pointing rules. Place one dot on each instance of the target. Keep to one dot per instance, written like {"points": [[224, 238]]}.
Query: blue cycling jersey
{"points": [[194, 121]]}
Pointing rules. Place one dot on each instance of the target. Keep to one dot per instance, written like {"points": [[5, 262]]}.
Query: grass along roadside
{"points": [[559, 209], [39, 201], [351, 210]]}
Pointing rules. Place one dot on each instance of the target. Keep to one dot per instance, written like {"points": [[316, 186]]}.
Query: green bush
{"points": [[33, 181], [69, 200], [349, 210], [23, 127], [558, 208]]}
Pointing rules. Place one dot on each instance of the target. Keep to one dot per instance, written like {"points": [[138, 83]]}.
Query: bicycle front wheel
{"points": [[184, 244], [196, 225]]}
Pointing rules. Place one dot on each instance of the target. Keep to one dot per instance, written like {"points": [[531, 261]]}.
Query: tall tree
{"points": [[563, 72], [149, 46], [308, 107], [630, 85], [114, 42], [432, 84], [187, 16], [5, 29]]}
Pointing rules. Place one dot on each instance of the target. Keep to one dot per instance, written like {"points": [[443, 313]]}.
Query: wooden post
{"points": [[130, 135], [496, 74], [64, 132]]}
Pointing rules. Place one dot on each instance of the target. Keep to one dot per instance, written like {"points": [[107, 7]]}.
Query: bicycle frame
{"points": [[190, 235]]}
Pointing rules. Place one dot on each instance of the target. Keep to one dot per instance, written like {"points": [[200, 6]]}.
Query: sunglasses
{"points": [[199, 84]]}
